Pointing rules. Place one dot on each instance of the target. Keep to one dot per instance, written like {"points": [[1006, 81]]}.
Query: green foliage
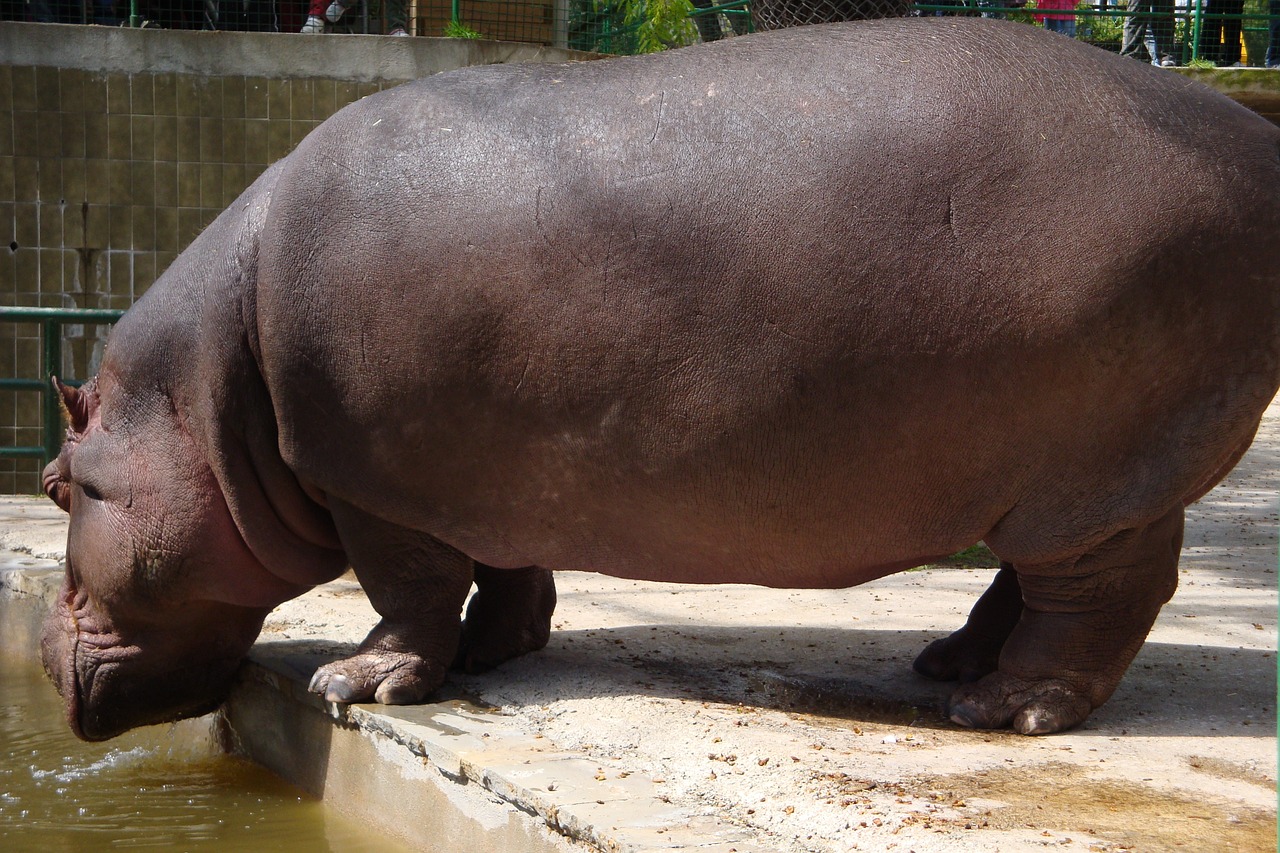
{"points": [[975, 556], [459, 30], [1100, 29], [660, 24], [630, 26], [1025, 15]]}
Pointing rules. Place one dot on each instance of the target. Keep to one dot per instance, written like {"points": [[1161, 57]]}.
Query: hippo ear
{"points": [[79, 403]]}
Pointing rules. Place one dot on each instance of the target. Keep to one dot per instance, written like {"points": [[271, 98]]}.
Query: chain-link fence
{"points": [[1224, 32], [608, 26], [776, 14]]}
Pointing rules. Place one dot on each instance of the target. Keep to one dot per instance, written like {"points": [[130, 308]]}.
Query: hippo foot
{"points": [[962, 656], [509, 615], [1030, 706], [390, 678], [478, 653], [385, 670]]}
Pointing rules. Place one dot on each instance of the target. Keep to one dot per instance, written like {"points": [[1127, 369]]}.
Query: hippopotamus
{"points": [[797, 309]]}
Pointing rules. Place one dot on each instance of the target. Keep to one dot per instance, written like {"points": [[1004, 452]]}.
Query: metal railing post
{"points": [[52, 358], [1197, 23]]}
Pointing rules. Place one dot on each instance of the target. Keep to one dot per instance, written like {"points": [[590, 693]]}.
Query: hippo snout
{"points": [[110, 683]]}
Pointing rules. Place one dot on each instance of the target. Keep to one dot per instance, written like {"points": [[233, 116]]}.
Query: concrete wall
{"points": [[118, 146]]}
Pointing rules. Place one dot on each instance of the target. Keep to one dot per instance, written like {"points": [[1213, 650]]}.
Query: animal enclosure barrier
{"points": [[1203, 31], [51, 321]]}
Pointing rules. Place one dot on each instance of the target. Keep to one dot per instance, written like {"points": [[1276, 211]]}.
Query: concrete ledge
{"points": [[359, 58], [1256, 88], [454, 770]]}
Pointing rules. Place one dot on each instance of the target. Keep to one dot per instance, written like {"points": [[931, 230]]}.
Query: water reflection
{"points": [[162, 788]]}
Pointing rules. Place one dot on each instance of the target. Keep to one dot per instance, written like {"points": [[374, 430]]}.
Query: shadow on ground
{"points": [[857, 676]]}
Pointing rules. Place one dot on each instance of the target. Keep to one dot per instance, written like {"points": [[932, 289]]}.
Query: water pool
{"points": [[160, 788]]}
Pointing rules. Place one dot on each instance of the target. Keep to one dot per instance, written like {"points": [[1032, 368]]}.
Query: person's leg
{"points": [[212, 14], [1162, 30], [1273, 48], [1135, 30], [740, 21], [1231, 32], [315, 17], [1211, 32], [1066, 27], [394, 18]]}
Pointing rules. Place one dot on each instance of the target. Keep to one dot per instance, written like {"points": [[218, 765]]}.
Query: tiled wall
{"points": [[104, 178]]}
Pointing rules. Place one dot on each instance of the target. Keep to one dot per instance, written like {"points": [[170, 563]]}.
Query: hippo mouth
{"points": [[110, 684], [78, 651]]}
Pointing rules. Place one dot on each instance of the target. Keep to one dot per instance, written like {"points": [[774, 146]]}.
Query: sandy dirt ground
{"points": [[795, 714]]}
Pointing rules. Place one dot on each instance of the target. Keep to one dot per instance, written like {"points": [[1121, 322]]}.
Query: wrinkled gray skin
{"points": [[798, 309]]}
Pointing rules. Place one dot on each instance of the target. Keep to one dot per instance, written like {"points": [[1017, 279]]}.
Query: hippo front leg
{"points": [[417, 584], [509, 615], [1082, 623], [974, 650]]}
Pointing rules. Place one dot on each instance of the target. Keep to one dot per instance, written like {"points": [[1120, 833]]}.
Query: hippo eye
{"points": [[90, 492]]}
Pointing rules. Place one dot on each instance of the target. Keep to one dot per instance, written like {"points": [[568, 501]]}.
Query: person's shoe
{"points": [[398, 31], [313, 26], [1168, 62], [336, 9]]}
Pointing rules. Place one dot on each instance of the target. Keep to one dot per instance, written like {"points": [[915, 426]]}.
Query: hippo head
{"points": [[162, 598]]}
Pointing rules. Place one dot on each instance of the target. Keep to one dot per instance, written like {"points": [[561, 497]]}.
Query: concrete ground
{"points": [[726, 718]]}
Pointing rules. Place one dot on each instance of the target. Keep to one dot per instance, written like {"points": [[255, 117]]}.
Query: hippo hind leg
{"points": [[509, 615], [1082, 622], [974, 651]]}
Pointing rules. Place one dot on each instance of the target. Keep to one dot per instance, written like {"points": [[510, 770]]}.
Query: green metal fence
{"points": [[51, 321], [635, 26]]}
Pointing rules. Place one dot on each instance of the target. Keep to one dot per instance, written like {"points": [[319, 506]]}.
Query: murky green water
{"points": [[162, 788]]}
